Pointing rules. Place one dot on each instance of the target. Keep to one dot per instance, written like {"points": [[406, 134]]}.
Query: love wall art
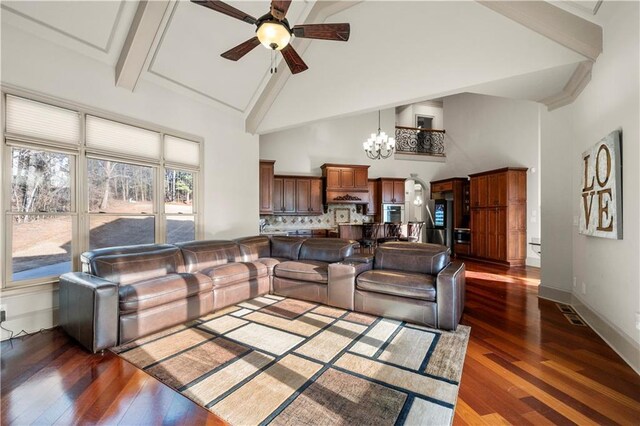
{"points": [[601, 192]]}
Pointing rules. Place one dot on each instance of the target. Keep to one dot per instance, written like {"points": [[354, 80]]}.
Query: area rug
{"points": [[274, 360]]}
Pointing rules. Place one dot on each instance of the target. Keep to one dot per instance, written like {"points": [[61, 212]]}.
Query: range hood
{"points": [[346, 183]]}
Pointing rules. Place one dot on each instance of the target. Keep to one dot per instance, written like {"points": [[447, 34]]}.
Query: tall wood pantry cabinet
{"points": [[499, 215]]}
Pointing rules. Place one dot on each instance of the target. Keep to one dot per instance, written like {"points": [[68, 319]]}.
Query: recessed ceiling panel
{"points": [[189, 52], [91, 22]]}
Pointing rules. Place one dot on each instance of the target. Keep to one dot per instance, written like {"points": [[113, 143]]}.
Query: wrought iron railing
{"points": [[414, 140]]}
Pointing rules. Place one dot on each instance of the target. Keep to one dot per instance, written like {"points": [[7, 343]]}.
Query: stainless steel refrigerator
{"points": [[439, 222]]}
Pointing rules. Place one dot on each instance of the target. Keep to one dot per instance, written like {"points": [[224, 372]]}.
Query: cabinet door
{"points": [[315, 197], [361, 178], [478, 191], [289, 195], [303, 194], [479, 232], [398, 192], [347, 179], [278, 200], [372, 206], [517, 186], [266, 187], [497, 189], [333, 178], [387, 191], [497, 233]]}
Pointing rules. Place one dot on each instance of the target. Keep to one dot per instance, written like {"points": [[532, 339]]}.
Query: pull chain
{"points": [[274, 69]]}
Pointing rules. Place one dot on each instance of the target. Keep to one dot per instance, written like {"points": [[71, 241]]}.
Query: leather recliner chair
{"points": [[413, 282]]}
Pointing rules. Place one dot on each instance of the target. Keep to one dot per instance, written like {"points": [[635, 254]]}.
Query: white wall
{"points": [[609, 268], [557, 205], [231, 156], [488, 132]]}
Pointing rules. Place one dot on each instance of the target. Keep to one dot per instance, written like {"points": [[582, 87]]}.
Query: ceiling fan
{"points": [[273, 32]]}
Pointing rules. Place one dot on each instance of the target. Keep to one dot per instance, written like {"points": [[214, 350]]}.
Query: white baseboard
{"points": [[627, 348], [554, 294], [533, 261], [31, 322]]}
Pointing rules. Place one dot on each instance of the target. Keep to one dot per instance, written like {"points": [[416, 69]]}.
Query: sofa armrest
{"points": [[359, 258], [89, 310], [342, 283], [450, 292]]}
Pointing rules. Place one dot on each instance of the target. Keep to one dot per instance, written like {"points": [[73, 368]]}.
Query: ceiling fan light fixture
{"points": [[273, 35]]}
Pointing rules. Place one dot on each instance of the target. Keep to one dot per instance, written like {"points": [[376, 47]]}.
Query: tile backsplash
{"points": [[346, 213]]}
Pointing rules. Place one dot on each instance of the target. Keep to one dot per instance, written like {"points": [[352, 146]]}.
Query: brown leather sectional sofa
{"points": [[124, 293]]}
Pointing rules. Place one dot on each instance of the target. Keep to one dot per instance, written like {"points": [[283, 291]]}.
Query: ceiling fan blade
{"points": [[242, 49], [338, 32], [221, 7], [279, 8], [295, 62]]}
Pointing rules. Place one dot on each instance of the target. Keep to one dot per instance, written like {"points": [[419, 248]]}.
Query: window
{"points": [[121, 203], [40, 222], [79, 181], [178, 205]]}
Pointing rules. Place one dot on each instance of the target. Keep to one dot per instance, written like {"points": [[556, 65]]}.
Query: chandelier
{"points": [[380, 145]]}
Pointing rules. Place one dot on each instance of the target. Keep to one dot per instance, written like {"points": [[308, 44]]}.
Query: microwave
{"points": [[393, 213]]}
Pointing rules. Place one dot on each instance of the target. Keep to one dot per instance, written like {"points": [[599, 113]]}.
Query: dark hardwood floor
{"points": [[526, 364]]}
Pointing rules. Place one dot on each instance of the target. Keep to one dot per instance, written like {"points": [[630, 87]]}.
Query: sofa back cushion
{"points": [[412, 257], [86, 258], [199, 255], [254, 248], [286, 247], [326, 249], [132, 267]]}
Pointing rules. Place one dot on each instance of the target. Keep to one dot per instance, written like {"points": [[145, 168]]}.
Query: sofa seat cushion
{"points": [[232, 273], [271, 262], [303, 270], [398, 283], [161, 290]]}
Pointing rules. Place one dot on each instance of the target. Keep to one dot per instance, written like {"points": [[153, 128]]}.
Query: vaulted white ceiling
{"points": [[399, 52]]}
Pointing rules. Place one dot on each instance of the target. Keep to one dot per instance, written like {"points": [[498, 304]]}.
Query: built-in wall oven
{"points": [[393, 213]]}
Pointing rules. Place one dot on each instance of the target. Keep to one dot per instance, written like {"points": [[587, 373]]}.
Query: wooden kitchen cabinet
{"points": [[309, 196], [499, 216], [478, 191], [266, 186], [294, 195], [372, 205], [284, 195], [345, 177], [391, 190]]}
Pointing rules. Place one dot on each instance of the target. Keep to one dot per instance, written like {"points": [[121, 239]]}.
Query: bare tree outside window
{"points": [[40, 231], [117, 192]]}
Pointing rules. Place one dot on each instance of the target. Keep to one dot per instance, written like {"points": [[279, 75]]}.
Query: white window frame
{"points": [[80, 213]]}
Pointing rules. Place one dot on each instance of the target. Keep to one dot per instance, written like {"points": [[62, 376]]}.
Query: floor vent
{"points": [[571, 315]]}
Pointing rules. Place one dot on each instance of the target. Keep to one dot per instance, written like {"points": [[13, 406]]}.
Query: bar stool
{"points": [[392, 232], [414, 230], [369, 237]]}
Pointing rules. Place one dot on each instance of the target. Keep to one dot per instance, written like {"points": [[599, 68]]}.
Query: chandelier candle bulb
{"points": [[379, 145]]}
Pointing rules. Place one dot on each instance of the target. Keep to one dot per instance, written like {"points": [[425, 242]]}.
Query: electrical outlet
{"points": [[574, 283], [3, 313], [638, 320], [584, 288]]}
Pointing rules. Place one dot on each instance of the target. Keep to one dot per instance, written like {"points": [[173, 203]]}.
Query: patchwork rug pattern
{"points": [[274, 360]]}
